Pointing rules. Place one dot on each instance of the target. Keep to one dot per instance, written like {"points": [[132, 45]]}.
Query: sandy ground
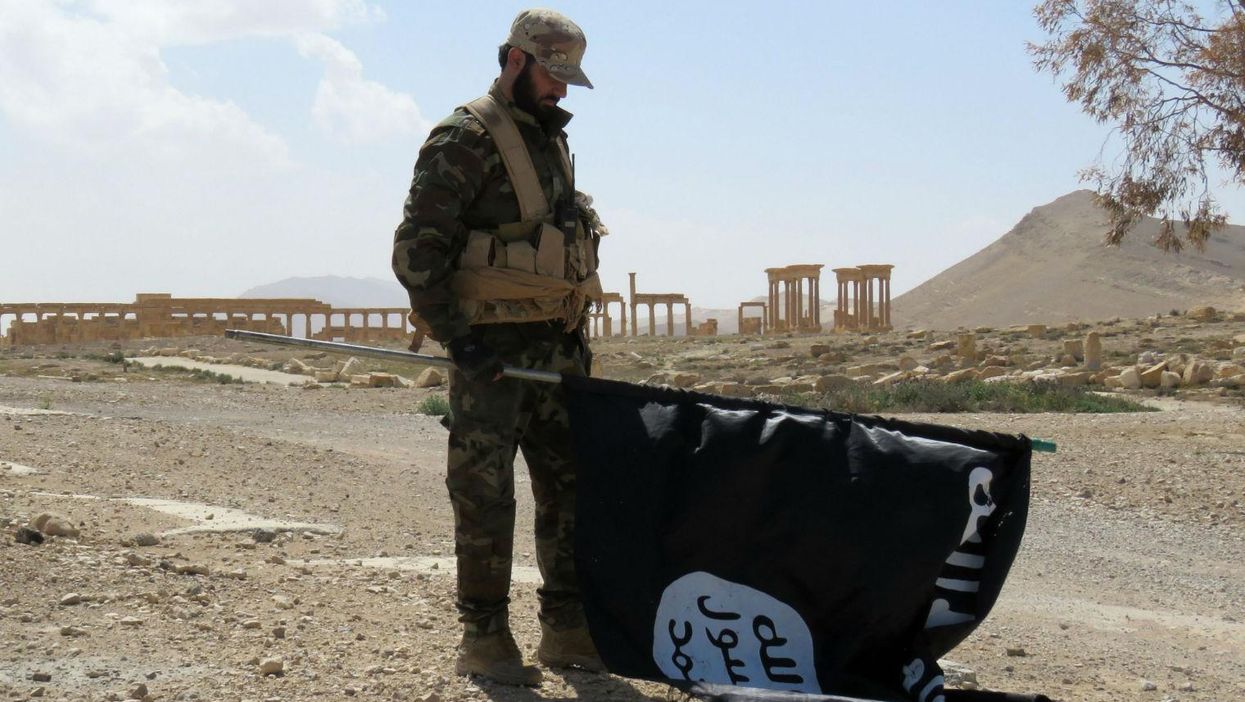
{"points": [[1130, 584]]}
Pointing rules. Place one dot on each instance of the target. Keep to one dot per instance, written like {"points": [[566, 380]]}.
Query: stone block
{"points": [[1198, 372], [1093, 351], [818, 350], [831, 382], [382, 380], [1203, 314], [991, 372], [1074, 348], [961, 376], [1037, 331], [1075, 378], [1152, 377], [1169, 380], [907, 363], [430, 378], [1130, 379], [325, 376]]}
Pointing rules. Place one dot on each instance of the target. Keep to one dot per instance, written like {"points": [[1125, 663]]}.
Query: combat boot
{"points": [[568, 648], [496, 657]]}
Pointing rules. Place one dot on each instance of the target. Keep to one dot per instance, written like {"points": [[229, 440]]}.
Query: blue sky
{"points": [[201, 148]]}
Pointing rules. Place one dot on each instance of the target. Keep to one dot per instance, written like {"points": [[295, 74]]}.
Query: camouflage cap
{"points": [[557, 43]]}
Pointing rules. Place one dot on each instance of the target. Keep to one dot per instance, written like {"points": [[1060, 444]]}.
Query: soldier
{"points": [[498, 253]]}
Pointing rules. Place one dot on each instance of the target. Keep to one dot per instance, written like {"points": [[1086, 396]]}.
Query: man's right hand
{"points": [[474, 359]]}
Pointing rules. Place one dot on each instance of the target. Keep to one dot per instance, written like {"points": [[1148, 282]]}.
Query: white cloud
{"points": [[351, 108], [172, 22], [91, 86]]}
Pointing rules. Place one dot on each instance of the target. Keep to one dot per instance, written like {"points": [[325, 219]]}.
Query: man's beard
{"points": [[525, 95]]}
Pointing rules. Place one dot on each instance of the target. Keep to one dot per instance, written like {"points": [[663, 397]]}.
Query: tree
{"points": [[1172, 84]]}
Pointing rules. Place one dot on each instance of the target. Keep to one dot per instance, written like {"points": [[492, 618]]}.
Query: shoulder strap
{"points": [[514, 155]]}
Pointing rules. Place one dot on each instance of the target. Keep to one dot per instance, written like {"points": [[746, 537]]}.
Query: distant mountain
{"points": [[1052, 267], [336, 291]]}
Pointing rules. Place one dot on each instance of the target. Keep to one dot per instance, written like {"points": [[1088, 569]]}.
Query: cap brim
{"points": [[575, 77]]}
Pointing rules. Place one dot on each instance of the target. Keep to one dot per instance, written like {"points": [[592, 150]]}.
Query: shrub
{"points": [[434, 406]]}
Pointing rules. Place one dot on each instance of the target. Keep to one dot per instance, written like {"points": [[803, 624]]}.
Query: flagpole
{"points": [[1040, 445], [381, 353]]}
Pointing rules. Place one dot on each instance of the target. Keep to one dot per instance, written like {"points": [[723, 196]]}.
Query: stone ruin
{"points": [[652, 300], [793, 306], [864, 298], [155, 315]]}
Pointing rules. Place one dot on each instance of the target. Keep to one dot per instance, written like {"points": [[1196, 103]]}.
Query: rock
{"points": [[278, 632], [1147, 686], [71, 599], [1036, 331], [817, 350], [1130, 379], [1016, 651], [72, 631], [325, 376], [350, 366], [907, 363], [54, 525], [831, 382], [130, 621], [1198, 372], [28, 536], [941, 346], [1202, 314], [1075, 378], [1093, 351], [263, 535], [1152, 377], [966, 349], [918, 334], [382, 380], [192, 569], [961, 376], [892, 378], [40, 676], [1074, 348], [144, 539], [272, 666], [991, 372], [138, 692], [358, 380], [430, 378], [1169, 380]]}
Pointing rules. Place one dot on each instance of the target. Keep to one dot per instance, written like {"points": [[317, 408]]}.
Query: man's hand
{"points": [[474, 359]]}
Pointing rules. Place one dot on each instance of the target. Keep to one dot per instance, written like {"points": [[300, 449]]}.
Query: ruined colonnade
{"points": [[795, 298], [864, 298]]}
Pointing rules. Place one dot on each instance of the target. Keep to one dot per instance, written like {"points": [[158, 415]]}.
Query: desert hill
{"points": [[1052, 267], [337, 291]]}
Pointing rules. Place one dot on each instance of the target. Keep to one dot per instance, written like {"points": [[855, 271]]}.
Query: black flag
{"points": [[726, 542]]}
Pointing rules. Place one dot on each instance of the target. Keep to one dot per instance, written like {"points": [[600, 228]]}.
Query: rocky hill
{"points": [[1053, 267], [337, 291]]}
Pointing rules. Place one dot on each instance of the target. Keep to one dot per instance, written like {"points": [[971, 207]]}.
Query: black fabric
{"points": [[735, 542]]}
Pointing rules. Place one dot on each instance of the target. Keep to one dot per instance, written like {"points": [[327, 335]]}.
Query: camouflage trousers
{"points": [[490, 420]]}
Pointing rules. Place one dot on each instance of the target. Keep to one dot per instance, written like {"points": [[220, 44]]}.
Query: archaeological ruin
{"points": [[652, 300], [864, 298], [795, 298], [154, 315], [601, 323]]}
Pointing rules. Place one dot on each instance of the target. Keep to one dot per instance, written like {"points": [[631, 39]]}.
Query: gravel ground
{"points": [[1130, 583]]}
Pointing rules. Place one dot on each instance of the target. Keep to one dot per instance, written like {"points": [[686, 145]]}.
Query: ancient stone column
{"points": [[687, 310], [966, 349]]}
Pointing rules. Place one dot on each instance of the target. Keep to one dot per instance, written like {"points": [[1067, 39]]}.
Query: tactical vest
{"points": [[525, 271]]}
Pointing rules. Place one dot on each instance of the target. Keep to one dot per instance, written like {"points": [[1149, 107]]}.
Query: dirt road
{"points": [[1130, 584]]}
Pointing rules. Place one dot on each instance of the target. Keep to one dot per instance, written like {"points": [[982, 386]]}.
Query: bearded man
{"points": [[499, 255]]}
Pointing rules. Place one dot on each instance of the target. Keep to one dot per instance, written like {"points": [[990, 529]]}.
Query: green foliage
{"points": [[434, 406], [973, 396]]}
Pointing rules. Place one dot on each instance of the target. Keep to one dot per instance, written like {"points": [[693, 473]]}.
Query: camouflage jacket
{"points": [[460, 184]]}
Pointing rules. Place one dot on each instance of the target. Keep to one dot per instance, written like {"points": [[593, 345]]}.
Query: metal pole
{"points": [[386, 354]]}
